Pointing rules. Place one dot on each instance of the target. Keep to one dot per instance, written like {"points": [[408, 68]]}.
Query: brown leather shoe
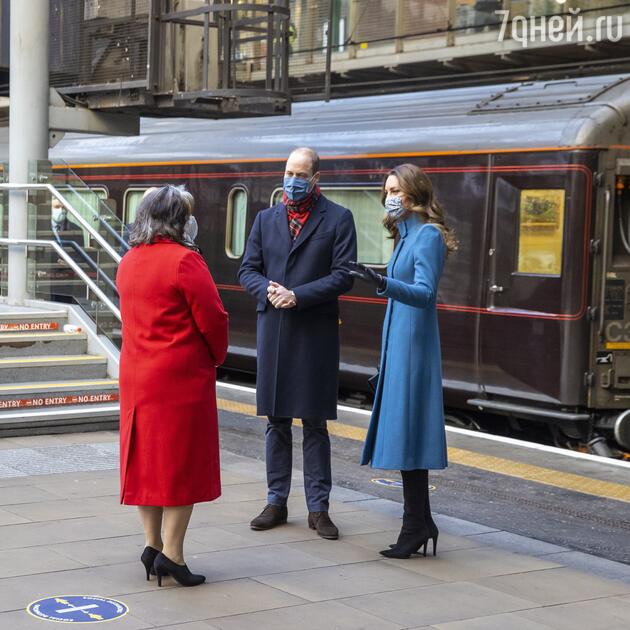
{"points": [[320, 521], [271, 516]]}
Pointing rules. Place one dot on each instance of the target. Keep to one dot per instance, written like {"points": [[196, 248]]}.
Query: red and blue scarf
{"points": [[299, 211]]}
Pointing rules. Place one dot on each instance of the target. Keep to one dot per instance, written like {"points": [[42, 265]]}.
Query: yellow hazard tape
{"points": [[83, 358], [490, 463], [61, 384]]}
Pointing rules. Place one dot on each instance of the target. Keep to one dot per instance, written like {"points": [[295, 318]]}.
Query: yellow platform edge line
{"points": [[55, 359], [4, 336], [35, 386], [489, 463]]}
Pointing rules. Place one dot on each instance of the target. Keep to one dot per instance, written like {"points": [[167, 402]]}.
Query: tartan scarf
{"points": [[299, 211]]}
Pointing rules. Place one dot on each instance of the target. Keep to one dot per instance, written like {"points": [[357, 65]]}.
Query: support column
{"points": [[28, 121]]}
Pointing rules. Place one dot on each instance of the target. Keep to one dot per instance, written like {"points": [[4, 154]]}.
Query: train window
{"points": [[373, 245], [276, 196], [236, 223], [540, 231], [374, 248], [133, 197], [86, 202]]}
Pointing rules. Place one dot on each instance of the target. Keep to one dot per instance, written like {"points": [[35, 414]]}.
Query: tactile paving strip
{"points": [[489, 463]]}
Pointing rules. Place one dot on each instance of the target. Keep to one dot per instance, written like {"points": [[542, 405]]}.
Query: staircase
{"points": [[49, 383]]}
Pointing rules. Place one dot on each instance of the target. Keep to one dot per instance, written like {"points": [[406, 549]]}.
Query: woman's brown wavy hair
{"points": [[417, 187]]}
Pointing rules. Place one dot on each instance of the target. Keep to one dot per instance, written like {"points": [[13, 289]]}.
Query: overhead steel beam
{"points": [[83, 120]]}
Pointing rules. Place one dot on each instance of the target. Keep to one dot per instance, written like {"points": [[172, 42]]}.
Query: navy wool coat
{"points": [[406, 430], [298, 348]]}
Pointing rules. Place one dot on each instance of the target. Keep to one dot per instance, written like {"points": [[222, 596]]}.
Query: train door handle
{"points": [[495, 288]]}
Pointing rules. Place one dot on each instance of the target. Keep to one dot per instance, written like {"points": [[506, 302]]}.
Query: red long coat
{"points": [[174, 335]]}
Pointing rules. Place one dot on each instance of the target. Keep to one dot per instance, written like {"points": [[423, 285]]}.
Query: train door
{"points": [[610, 350], [534, 283]]}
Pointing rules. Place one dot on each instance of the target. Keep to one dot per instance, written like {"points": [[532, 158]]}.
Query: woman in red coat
{"points": [[174, 337]]}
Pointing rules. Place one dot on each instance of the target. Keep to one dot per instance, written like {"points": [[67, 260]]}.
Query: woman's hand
{"points": [[357, 270]]}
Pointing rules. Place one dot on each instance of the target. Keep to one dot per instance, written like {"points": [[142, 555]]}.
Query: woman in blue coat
{"points": [[406, 430]]}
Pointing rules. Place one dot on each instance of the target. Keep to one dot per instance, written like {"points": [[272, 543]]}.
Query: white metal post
{"points": [[28, 121]]}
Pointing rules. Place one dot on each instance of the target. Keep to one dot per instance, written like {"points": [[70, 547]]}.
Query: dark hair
{"points": [[417, 187], [162, 212]]}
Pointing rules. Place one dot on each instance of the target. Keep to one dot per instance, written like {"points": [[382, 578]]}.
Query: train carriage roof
{"points": [[581, 112]]}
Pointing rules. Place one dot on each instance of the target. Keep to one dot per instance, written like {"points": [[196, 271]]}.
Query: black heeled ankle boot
{"points": [[418, 526], [148, 558], [180, 572], [433, 533]]}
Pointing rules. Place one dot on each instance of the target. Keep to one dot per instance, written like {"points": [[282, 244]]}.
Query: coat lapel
{"points": [[402, 231], [282, 225], [315, 218]]}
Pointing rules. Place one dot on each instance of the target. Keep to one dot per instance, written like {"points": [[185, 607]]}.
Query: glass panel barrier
{"points": [[50, 277], [91, 203]]}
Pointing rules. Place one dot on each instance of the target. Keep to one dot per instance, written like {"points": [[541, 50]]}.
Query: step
{"points": [[70, 419], [41, 343], [44, 321], [60, 279], [57, 394], [55, 367], [46, 265]]}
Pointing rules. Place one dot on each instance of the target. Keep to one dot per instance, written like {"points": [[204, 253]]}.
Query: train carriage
{"points": [[534, 307]]}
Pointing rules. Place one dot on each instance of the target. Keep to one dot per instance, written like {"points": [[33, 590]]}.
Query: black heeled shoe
{"points": [[408, 543], [432, 536], [179, 572], [148, 558]]}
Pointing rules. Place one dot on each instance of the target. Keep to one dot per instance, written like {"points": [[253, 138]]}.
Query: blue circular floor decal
{"points": [[390, 483], [77, 609]]}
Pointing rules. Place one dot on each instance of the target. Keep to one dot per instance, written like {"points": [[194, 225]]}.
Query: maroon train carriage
{"points": [[534, 307]]}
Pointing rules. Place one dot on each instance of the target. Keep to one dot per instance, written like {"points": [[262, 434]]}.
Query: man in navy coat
{"points": [[294, 266]]}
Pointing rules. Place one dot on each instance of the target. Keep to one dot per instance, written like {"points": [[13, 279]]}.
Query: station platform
{"points": [[63, 532]]}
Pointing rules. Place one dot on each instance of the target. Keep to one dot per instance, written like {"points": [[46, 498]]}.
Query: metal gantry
{"points": [[160, 57]]}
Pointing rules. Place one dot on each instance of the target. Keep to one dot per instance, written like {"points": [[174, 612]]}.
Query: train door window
{"points": [[133, 197], [86, 202], [540, 231], [236, 223], [373, 245]]}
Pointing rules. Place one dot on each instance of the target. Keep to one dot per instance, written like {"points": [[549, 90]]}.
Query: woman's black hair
{"points": [[163, 212]]}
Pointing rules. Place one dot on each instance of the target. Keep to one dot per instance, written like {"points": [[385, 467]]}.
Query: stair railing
{"points": [[71, 263], [71, 210]]}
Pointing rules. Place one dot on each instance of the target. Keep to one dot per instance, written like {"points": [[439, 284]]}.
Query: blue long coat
{"points": [[407, 426], [298, 348]]}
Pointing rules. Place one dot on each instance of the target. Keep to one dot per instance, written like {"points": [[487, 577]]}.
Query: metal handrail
{"points": [[88, 261], [82, 222], [71, 263], [602, 297]]}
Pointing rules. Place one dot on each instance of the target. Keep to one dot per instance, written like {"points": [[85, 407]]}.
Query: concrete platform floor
{"points": [[63, 532]]}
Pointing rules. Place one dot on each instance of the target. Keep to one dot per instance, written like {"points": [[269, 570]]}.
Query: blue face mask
{"points": [[296, 187]]}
